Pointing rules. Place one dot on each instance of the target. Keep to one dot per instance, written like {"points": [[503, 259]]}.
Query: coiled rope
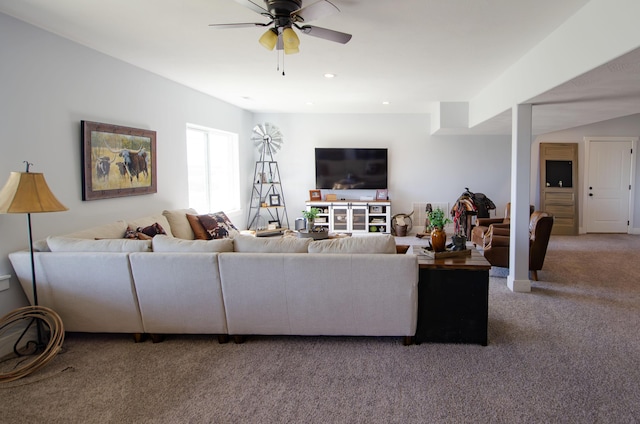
{"points": [[38, 315]]}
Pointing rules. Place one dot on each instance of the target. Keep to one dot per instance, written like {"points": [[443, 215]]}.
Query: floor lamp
{"points": [[28, 192]]}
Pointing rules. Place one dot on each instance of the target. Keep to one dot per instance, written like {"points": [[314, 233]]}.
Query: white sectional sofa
{"points": [[98, 282]]}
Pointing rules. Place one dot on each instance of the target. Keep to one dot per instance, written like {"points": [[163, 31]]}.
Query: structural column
{"points": [[518, 279]]}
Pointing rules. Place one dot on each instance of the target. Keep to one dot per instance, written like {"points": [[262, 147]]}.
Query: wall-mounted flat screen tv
{"points": [[348, 169]]}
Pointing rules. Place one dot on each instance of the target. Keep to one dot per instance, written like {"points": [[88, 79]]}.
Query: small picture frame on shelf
{"points": [[375, 209], [273, 225], [274, 200], [315, 195], [382, 194]]}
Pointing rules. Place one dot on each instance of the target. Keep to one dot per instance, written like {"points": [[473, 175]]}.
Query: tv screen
{"points": [[347, 169]]}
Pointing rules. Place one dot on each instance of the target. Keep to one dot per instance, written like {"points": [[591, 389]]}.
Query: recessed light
{"points": [[386, 102], [329, 75], [309, 103]]}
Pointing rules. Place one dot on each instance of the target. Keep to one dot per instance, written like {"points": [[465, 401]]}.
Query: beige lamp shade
{"points": [[28, 192], [290, 41], [269, 39]]}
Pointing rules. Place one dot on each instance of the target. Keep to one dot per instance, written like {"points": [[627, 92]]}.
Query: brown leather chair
{"points": [[496, 246], [482, 225]]}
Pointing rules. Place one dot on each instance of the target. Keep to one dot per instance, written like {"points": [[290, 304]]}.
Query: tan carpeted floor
{"points": [[568, 352]]}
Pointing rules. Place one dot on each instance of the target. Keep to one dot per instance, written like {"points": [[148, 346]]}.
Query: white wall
{"points": [[48, 85], [628, 126], [422, 168]]}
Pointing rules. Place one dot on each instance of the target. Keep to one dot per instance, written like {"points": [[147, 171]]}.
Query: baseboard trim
{"points": [[518, 286], [9, 338]]}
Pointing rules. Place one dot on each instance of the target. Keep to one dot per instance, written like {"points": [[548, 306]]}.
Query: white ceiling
{"points": [[410, 53]]}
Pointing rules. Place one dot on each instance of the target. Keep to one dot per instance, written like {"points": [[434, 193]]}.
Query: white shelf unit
{"points": [[353, 216]]}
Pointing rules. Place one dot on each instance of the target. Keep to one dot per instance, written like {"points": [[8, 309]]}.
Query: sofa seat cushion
{"points": [[368, 244], [172, 244], [68, 244], [249, 244]]}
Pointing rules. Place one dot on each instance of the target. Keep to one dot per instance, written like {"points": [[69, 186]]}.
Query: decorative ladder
{"points": [[267, 204]]}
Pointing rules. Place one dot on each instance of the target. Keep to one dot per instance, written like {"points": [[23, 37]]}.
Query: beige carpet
{"points": [[568, 352]]}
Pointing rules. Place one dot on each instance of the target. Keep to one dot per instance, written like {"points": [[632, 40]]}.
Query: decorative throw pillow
{"points": [[218, 225], [145, 233], [130, 233], [152, 230], [199, 233]]}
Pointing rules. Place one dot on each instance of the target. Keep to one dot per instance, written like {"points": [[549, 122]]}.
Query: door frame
{"points": [[585, 185]]}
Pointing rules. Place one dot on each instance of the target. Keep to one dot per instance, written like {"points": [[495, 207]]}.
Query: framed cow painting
{"points": [[117, 161]]}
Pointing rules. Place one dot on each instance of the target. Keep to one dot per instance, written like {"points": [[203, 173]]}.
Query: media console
{"points": [[353, 216]]}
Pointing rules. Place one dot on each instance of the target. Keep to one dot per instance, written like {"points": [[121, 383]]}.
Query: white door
{"points": [[608, 186]]}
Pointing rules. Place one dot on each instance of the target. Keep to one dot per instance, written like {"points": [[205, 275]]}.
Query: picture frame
{"points": [[274, 200], [375, 209], [315, 195], [117, 161], [382, 194], [273, 225]]}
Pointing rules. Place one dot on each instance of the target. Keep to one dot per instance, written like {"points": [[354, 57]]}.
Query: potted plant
{"points": [[310, 216], [437, 221]]}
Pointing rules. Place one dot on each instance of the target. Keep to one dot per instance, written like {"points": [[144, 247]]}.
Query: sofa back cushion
{"points": [[177, 219], [369, 244], [68, 244], [250, 244], [172, 244], [112, 230]]}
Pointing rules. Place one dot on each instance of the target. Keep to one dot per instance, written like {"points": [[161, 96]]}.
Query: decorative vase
{"points": [[310, 224], [438, 240]]}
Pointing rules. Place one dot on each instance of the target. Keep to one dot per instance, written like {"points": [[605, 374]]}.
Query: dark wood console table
{"points": [[453, 298]]}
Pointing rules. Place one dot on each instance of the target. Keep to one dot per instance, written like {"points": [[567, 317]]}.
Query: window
{"points": [[213, 170]]}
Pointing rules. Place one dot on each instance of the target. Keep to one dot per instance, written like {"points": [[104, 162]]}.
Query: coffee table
{"points": [[453, 298]]}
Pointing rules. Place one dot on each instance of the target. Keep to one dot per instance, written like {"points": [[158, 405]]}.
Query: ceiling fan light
{"points": [[269, 39], [290, 41]]}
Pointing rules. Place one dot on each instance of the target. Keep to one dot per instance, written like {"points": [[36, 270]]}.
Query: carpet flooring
{"points": [[568, 352]]}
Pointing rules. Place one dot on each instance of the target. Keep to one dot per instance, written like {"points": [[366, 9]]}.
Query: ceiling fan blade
{"points": [[327, 34], [239, 25], [256, 6], [313, 11]]}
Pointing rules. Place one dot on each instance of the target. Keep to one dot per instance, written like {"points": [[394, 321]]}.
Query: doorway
{"points": [[608, 185]]}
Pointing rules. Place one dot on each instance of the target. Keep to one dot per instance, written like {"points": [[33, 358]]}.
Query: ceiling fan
{"points": [[285, 15]]}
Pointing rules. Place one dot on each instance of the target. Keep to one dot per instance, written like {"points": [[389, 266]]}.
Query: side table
{"points": [[453, 299]]}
